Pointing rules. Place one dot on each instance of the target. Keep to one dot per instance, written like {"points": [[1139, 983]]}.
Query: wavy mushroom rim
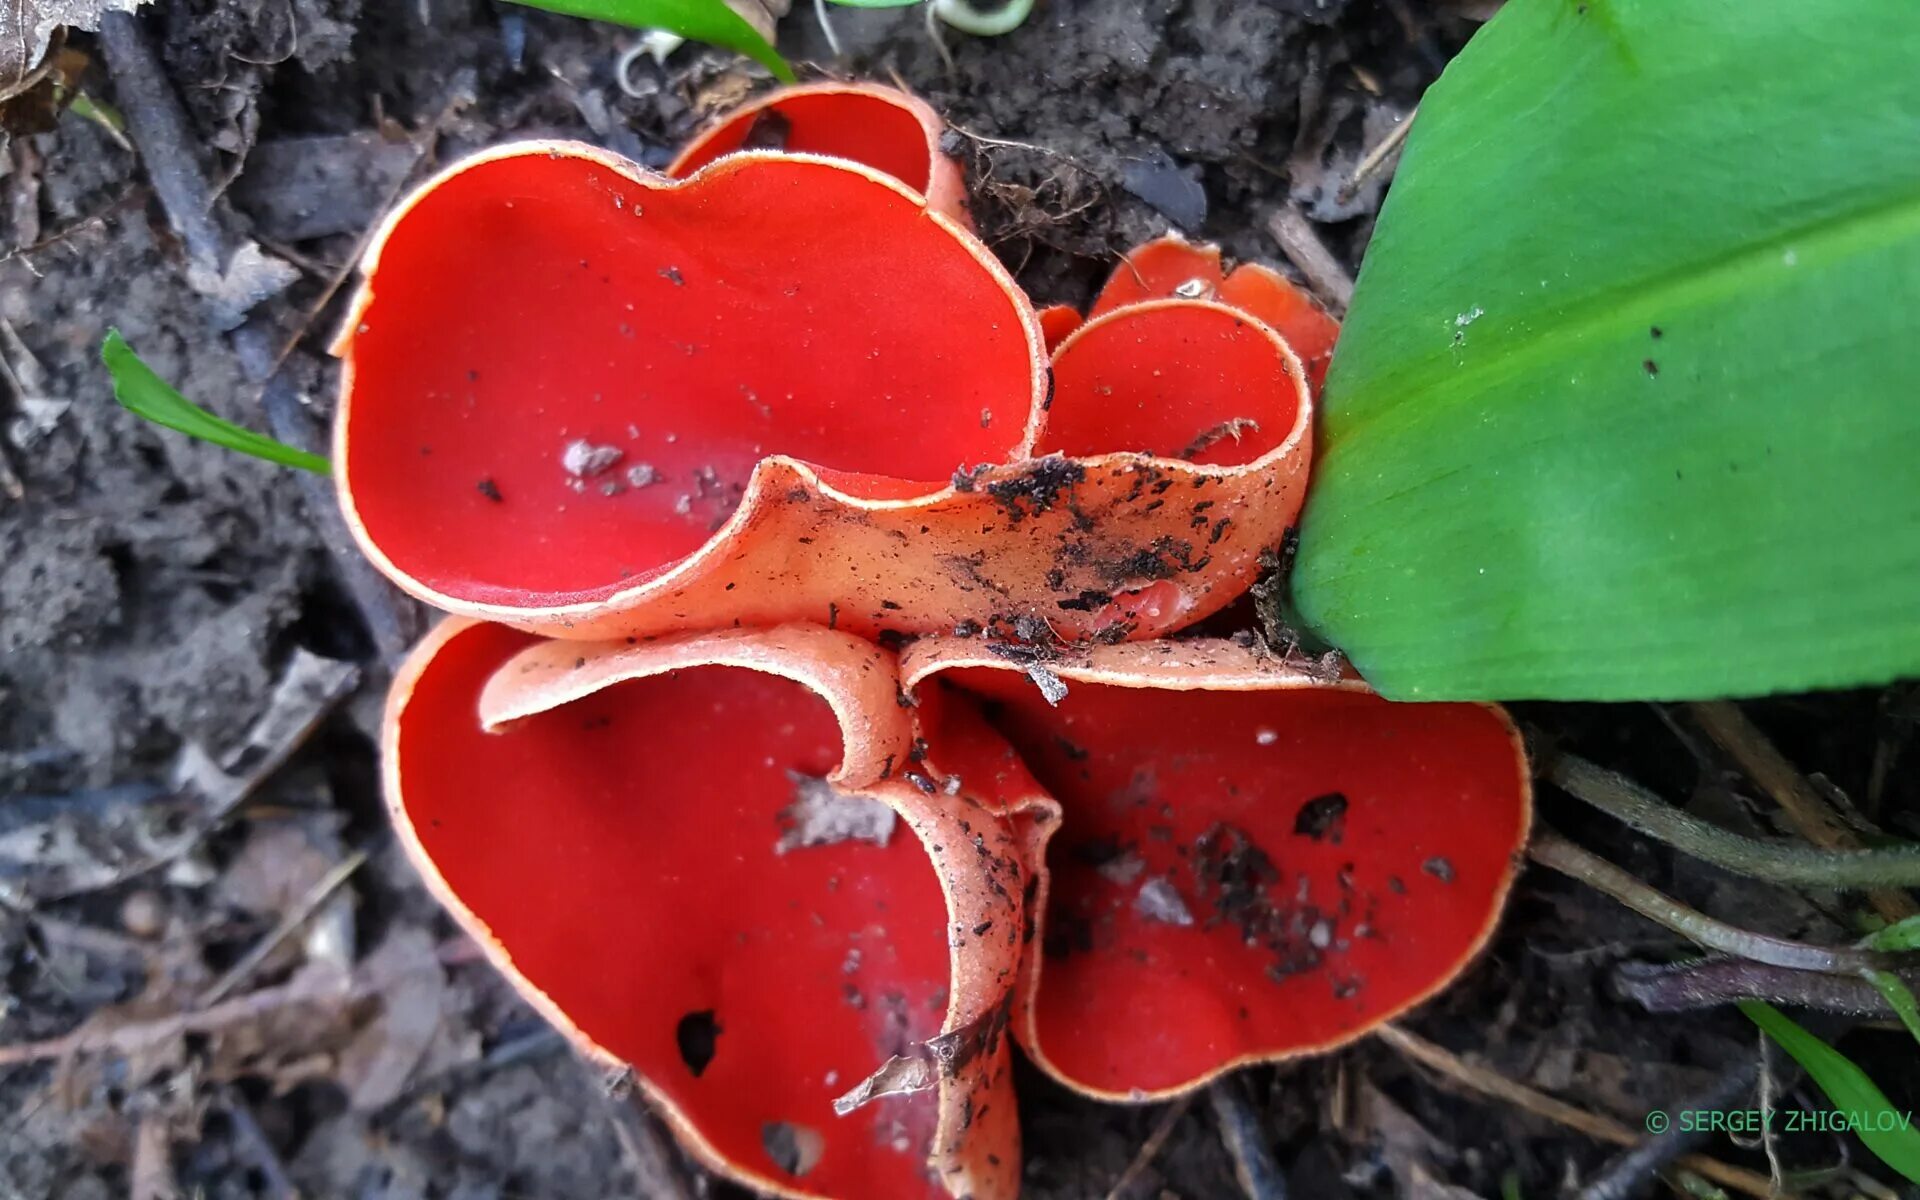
{"points": [[776, 477], [1201, 261], [1170, 262], [773, 475], [988, 1172], [555, 618], [945, 188], [1220, 666], [874, 729], [1298, 432]]}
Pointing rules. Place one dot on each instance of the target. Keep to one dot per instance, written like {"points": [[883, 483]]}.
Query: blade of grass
{"points": [[144, 394], [1847, 1087], [1901, 935], [1899, 998], [707, 21]]}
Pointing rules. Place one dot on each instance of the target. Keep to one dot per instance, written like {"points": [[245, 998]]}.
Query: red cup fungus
{"points": [[713, 859], [893, 132], [807, 727], [1236, 860]]}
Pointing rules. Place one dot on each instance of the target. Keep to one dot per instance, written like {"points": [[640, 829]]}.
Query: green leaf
{"points": [[1901, 935], [145, 394], [1847, 1087], [1625, 405], [707, 21], [1899, 997]]}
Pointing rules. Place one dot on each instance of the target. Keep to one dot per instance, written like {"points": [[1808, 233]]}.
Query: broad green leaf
{"points": [[1882, 1128], [1628, 401], [145, 394], [707, 21]]}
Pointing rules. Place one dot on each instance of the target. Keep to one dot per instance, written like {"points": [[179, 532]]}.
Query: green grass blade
{"points": [[145, 394], [1899, 997], [1624, 404], [1847, 1087], [707, 21]]}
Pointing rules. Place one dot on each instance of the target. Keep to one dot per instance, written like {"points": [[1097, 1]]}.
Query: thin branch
{"points": [[1593, 1125], [1549, 849], [1150, 1149], [1301, 243], [1777, 862], [1253, 1166], [1364, 170], [1711, 982], [295, 917]]}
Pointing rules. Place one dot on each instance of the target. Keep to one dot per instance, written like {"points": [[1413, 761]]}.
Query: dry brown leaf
{"points": [[26, 28]]}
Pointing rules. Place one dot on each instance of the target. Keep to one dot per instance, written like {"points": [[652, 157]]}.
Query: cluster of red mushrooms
{"points": [[808, 725]]}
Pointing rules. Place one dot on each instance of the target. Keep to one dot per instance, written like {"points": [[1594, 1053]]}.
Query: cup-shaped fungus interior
{"points": [[664, 868], [1179, 379], [1245, 875], [563, 371], [888, 130], [1171, 266]]}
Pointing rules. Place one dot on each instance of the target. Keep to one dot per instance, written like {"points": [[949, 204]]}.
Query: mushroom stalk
{"points": [[1788, 863], [1549, 849]]}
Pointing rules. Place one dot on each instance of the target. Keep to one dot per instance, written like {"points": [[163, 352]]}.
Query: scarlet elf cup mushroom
{"points": [[807, 725]]}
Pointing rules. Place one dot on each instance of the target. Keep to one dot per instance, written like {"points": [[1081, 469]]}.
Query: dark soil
{"points": [[154, 589]]}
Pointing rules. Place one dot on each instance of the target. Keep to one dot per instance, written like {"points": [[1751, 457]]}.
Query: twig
{"points": [[1365, 168], [1150, 1149], [1549, 849], [1777, 862], [1301, 243], [1593, 1125], [1627, 1175], [1710, 982], [527, 1048], [292, 921], [1806, 809], [159, 127], [1253, 1166]]}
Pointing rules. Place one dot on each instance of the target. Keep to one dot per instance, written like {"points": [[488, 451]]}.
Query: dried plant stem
{"points": [[1777, 862], [1810, 813], [1150, 1149], [1595, 1126], [1253, 1166], [1301, 243], [1376, 157], [1549, 849], [1710, 982], [287, 927]]}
